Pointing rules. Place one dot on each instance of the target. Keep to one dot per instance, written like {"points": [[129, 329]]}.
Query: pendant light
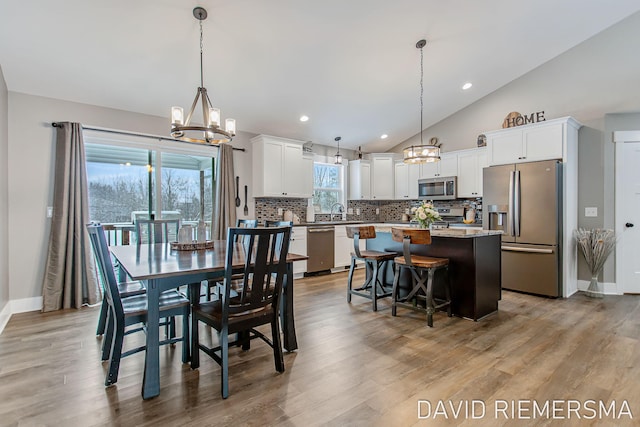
{"points": [[210, 132], [338, 156], [422, 153]]}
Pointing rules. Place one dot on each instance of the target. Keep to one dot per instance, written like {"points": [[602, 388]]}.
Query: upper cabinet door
{"points": [[505, 147], [401, 170], [543, 143], [448, 164], [382, 177], [279, 168]]}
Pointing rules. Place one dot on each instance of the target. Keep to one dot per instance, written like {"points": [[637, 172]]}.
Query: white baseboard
{"points": [[18, 306], [609, 288]]}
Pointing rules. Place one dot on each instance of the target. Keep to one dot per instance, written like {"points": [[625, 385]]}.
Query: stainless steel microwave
{"points": [[441, 188]]}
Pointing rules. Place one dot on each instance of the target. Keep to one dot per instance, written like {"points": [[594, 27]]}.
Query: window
{"points": [[328, 186], [128, 181]]}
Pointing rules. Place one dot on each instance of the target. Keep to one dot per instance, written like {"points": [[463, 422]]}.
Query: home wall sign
{"points": [[514, 119]]}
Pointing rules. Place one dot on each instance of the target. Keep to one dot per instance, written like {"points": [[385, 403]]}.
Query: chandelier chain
{"points": [[201, 72], [421, 91]]}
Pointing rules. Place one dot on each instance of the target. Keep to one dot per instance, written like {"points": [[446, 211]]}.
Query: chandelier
{"points": [[338, 156], [210, 132], [422, 153]]}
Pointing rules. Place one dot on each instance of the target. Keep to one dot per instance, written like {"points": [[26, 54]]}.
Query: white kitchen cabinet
{"points": [[343, 247], [280, 169], [406, 177], [359, 180], [298, 245], [470, 165], [382, 186], [529, 143], [447, 166]]}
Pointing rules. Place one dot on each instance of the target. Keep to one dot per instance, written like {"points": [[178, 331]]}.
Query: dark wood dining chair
{"points": [[372, 288], [125, 289], [255, 303], [156, 230], [132, 310], [422, 269]]}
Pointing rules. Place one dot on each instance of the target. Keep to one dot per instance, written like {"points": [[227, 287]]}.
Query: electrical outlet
{"points": [[49, 211], [358, 211], [280, 212], [407, 211], [350, 211], [377, 211], [591, 212]]}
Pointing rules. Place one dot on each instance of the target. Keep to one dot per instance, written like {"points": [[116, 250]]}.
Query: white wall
{"points": [[31, 154], [594, 80], [4, 213]]}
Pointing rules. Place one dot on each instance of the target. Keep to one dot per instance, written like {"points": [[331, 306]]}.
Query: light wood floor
{"points": [[353, 367]]}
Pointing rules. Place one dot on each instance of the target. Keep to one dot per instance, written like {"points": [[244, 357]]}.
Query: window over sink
{"points": [[328, 186]]}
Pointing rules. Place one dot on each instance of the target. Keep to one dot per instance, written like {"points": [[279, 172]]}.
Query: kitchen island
{"points": [[474, 266]]}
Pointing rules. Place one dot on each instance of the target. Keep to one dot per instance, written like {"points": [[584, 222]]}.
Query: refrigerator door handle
{"points": [[516, 202], [510, 230], [531, 250]]}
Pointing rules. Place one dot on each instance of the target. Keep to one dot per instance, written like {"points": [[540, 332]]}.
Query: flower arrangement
{"points": [[596, 245], [425, 214]]}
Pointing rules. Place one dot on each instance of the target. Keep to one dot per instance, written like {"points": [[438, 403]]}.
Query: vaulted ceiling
{"points": [[350, 65]]}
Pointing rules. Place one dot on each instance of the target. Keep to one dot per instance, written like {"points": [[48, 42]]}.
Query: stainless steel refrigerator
{"points": [[525, 201]]}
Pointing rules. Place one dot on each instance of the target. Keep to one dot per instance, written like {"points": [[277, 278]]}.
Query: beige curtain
{"points": [[224, 215], [70, 278]]}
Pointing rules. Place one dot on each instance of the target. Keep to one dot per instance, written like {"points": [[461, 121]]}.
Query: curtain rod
{"points": [[144, 135]]}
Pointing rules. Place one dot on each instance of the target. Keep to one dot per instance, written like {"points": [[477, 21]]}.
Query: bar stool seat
{"points": [[422, 269], [373, 288]]}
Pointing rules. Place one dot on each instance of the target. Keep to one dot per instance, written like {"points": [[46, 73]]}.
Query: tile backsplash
{"points": [[388, 210]]}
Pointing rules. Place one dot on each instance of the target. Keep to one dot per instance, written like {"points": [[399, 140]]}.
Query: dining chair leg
{"points": [[277, 345], [195, 343], [102, 320], [245, 341], [350, 279], [224, 356], [394, 291], [107, 339], [114, 358]]}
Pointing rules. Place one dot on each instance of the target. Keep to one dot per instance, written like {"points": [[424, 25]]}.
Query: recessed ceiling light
{"points": [[466, 86], [304, 118], [384, 136]]}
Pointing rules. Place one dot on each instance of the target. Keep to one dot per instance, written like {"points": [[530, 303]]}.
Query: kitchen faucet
{"points": [[340, 207]]}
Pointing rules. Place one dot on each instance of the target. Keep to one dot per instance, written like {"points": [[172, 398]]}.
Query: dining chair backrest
{"points": [[268, 223], [264, 268], [246, 223], [105, 267], [157, 230], [408, 237]]}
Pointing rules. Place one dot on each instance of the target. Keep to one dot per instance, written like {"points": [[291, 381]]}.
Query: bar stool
{"points": [[422, 270], [372, 288]]}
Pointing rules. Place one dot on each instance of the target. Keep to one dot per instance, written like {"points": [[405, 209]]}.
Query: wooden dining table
{"points": [[162, 268]]}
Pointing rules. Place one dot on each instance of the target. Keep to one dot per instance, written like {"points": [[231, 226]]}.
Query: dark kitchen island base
{"points": [[474, 267]]}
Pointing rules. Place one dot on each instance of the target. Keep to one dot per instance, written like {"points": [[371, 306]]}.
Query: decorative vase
{"points": [[594, 290]]}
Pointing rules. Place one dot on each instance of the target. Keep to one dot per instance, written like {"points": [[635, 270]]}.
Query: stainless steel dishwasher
{"points": [[320, 248]]}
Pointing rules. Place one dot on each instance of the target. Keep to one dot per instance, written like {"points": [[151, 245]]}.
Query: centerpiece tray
{"points": [[192, 246]]}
